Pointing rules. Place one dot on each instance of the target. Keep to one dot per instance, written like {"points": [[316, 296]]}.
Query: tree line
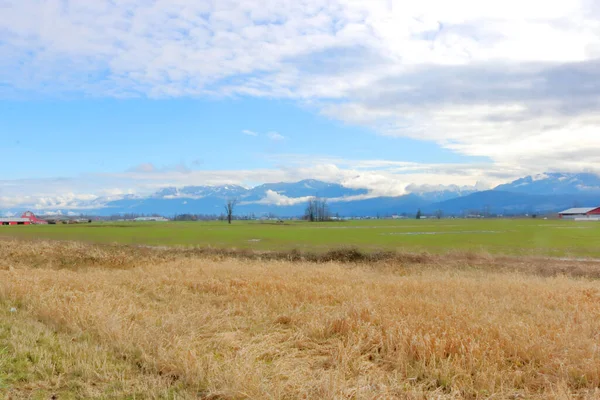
{"points": [[317, 210]]}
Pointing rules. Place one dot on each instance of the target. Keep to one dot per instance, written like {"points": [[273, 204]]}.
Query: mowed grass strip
{"points": [[235, 328], [496, 236], [39, 362]]}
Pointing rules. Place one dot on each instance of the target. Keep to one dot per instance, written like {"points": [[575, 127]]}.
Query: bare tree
{"points": [[229, 207], [439, 214], [487, 211], [323, 214], [419, 214], [311, 210], [317, 210]]}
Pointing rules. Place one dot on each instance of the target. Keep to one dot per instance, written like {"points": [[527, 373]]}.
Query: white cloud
{"points": [[272, 135], [276, 199], [145, 167], [427, 188], [42, 202], [275, 136], [380, 177], [514, 81], [273, 198]]}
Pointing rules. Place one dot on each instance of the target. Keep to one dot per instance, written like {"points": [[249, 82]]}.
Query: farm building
{"points": [[148, 219], [34, 220], [27, 218], [15, 221], [588, 213]]}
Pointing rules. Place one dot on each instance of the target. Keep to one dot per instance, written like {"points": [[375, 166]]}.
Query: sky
{"points": [[104, 98]]}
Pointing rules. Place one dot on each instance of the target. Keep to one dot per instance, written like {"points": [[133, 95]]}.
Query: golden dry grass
{"points": [[118, 322]]}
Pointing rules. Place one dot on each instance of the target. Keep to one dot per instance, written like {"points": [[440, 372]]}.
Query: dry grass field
{"points": [[86, 321]]}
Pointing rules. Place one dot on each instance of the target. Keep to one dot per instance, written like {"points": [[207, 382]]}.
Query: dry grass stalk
{"points": [[185, 326], [76, 255]]}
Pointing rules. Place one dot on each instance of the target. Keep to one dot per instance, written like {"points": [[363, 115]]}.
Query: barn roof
{"points": [[580, 210], [15, 220]]}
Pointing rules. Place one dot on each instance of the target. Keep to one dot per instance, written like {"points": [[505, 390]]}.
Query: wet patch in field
{"points": [[367, 227], [439, 233], [575, 227]]}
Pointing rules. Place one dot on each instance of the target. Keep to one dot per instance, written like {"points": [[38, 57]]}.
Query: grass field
{"points": [[81, 321], [459, 309], [517, 237]]}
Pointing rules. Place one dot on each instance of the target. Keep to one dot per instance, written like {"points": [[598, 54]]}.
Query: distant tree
{"points": [[419, 214], [310, 214], [323, 210], [487, 211], [317, 210], [439, 214], [186, 217], [229, 207]]}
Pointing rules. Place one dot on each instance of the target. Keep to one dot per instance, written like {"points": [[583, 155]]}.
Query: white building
{"points": [[148, 219], [581, 214]]}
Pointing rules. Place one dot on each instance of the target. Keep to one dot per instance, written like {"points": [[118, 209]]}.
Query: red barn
{"points": [[15, 221], [27, 218], [591, 213], [34, 220]]}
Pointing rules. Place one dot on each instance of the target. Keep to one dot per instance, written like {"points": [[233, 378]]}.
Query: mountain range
{"points": [[543, 193]]}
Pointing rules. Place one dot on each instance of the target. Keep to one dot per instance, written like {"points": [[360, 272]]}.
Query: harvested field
{"points": [[518, 237], [87, 321]]}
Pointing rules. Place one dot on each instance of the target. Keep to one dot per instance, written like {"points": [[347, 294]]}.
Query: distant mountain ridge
{"points": [[554, 183], [286, 199], [511, 203], [543, 193], [200, 191], [307, 187], [540, 193]]}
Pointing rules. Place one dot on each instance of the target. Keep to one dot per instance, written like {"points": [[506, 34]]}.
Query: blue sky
{"points": [[103, 99], [60, 138]]}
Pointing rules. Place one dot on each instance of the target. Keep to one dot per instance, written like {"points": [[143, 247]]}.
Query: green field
{"points": [[518, 236]]}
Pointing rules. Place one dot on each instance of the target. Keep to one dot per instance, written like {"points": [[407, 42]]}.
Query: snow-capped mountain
{"points": [[297, 189], [540, 193], [554, 183], [309, 187], [437, 193], [282, 198], [223, 191]]}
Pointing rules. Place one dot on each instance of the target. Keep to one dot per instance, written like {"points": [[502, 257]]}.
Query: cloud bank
{"points": [[380, 177], [515, 82]]}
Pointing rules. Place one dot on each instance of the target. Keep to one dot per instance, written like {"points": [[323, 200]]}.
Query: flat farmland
{"points": [[503, 236], [459, 309], [87, 321]]}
